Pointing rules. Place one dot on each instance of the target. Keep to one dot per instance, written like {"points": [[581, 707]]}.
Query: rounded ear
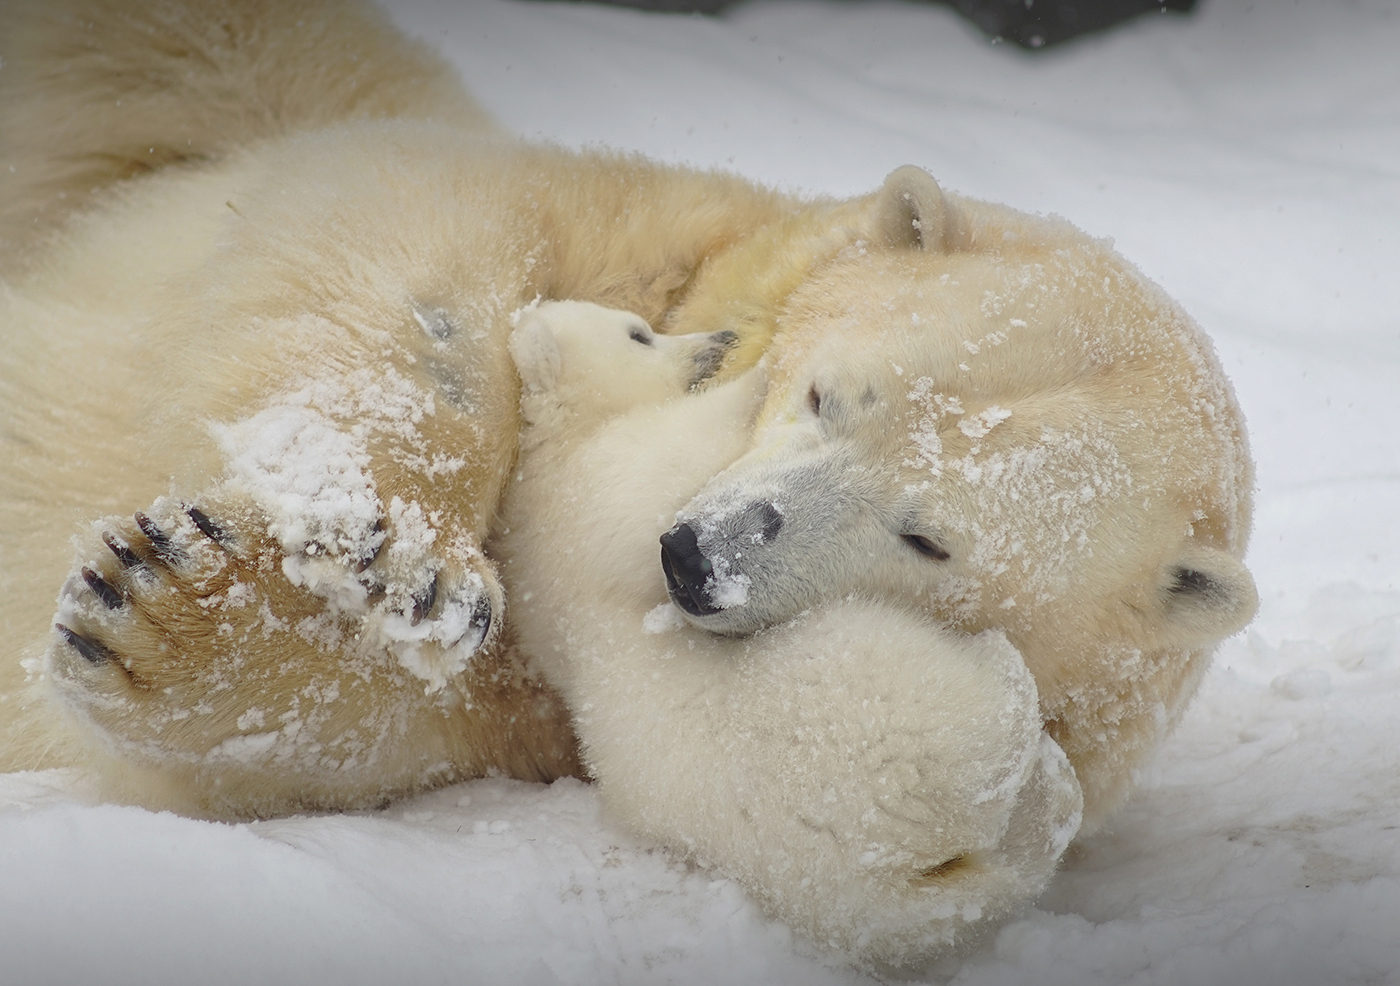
{"points": [[910, 210], [1208, 594], [536, 353]]}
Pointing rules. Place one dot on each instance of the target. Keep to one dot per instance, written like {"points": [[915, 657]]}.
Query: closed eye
{"points": [[814, 401], [638, 334], [926, 547]]}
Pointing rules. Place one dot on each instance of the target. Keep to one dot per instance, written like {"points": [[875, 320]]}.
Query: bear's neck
{"points": [[550, 429]]}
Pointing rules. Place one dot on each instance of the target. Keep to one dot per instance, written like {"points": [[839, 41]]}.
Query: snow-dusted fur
{"points": [[1009, 429], [879, 783], [280, 337], [257, 273]]}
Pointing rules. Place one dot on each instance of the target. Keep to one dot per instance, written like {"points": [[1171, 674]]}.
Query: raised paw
{"points": [[160, 581], [181, 643]]}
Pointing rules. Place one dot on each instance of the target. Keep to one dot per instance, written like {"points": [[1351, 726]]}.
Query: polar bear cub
{"points": [[879, 783]]}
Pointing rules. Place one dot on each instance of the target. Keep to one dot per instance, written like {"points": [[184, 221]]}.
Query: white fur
{"points": [[828, 763]]}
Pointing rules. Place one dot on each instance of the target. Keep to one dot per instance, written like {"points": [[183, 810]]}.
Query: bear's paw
{"points": [[178, 631]]}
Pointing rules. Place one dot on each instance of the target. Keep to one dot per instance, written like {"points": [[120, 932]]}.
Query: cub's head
{"points": [[592, 363], [997, 420]]}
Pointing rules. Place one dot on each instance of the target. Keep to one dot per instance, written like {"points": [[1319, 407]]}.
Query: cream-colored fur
{"points": [[1008, 429], [879, 783], [100, 92], [320, 255], [332, 286]]}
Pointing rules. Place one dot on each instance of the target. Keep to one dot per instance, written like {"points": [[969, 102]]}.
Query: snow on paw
{"points": [[432, 594], [313, 462], [150, 618], [310, 477], [180, 645]]}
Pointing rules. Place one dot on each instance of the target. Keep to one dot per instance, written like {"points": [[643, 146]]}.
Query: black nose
{"points": [[687, 569], [690, 573]]}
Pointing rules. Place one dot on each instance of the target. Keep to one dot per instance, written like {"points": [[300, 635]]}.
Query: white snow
{"points": [[980, 425], [728, 589], [281, 459], [1245, 158], [663, 619]]}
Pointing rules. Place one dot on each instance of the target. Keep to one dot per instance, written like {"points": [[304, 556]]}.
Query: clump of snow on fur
{"points": [[924, 433], [309, 475], [304, 458], [978, 425], [304, 461], [729, 589], [662, 619]]}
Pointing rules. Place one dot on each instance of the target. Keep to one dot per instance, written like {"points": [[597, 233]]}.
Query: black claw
{"points": [[422, 605], [90, 649], [124, 554], [207, 527], [481, 616], [367, 560], [161, 544], [102, 589]]}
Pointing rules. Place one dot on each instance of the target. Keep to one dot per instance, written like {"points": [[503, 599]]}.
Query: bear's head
{"points": [[994, 419], [579, 358]]}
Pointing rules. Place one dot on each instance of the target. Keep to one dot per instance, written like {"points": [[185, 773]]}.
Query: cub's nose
{"points": [[687, 570]]}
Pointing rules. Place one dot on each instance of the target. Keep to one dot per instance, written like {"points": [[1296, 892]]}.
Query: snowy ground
{"points": [[1247, 160]]}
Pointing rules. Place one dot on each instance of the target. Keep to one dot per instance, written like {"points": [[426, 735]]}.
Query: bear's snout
{"points": [[702, 584], [687, 570]]}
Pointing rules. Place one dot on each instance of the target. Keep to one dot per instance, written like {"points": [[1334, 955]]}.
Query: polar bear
{"points": [[1009, 438], [879, 783], [274, 247]]}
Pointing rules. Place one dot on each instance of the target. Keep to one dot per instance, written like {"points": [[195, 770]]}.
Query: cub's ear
{"points": [[1208, 595], [910, 210], [536, 353]]}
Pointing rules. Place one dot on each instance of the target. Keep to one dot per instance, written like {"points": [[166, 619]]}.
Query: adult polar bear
{"points": [[290, 225]]}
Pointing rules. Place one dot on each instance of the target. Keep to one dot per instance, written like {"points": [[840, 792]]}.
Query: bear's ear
{"points": [[910, 210], [536, 353], [1208, 595]]}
